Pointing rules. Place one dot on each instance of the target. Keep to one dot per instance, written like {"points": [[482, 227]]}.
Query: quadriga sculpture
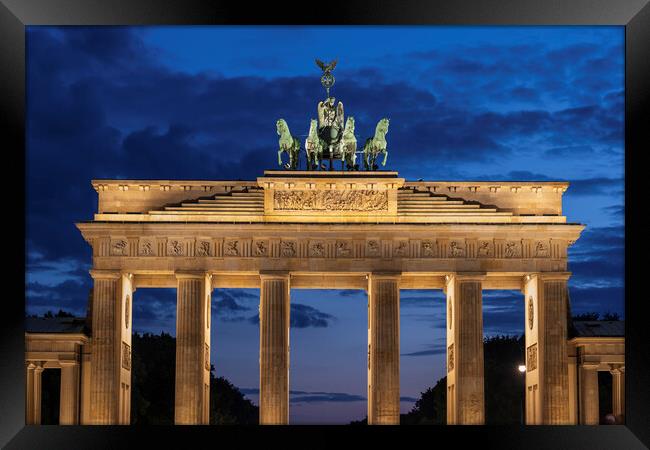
{"points": [[313, 146], [376, 145], [287, 143], [349, 145]]}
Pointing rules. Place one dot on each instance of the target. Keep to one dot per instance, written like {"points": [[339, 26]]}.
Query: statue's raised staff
{"points": [[376, 145], [349, 145], [289, 144], [313, 146]]}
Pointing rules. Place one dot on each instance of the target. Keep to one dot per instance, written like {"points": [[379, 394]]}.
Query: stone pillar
{"points": [[465, 384], [38, 372], [69, 398], [589, 394], [618, 393], [84, 389], [29, 393], [110, 380], [383, 349], [274, 348], [547, 372], [193, 348]]}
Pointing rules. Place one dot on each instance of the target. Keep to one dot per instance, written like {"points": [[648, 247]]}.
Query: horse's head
{"points": [[349, 124], [281, 126], [382, 126], [313, 126]]}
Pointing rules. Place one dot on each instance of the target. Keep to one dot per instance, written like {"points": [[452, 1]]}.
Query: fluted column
{"points": [[193, 348], [38, 376], [69, 397], [110, 380], [547, 372], [618, 393], [465, 372], [383, 349], [274, 348], [29, 393], [589, 394]]}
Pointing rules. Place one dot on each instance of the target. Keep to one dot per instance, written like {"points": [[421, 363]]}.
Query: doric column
{"points": [[547, 372], [193, 348], [29, 393], [383, 349], [465, 384], [38, 372], [618, 392], [69, 397], [589, 394], [274, 348], [110, 380]]}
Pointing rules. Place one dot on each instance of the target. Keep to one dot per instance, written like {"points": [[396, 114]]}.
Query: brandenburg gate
{"points": [[369, 230]]}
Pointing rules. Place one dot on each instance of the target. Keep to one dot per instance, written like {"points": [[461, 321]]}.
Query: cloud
{"points": [[296, 396], [303, 316]]}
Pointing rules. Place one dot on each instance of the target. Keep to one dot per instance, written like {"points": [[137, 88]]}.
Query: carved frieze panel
{"points": [[541, 250], [175, 247], [146, 247], [428, 249], [450, 358], [231, 247], [207, 357], [531, 313], [317, 249], [127, 311], [288, 249], [203, 248], [485, 249], [330, 200], [373, 248], [126, 356], [450, 311], [119, 247], [401, 249], [343, 249], [456, 249], [512, 249], [261, 248], [531, 357]]}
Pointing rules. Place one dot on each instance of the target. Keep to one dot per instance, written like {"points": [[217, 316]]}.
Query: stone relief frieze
{"points": [[512, 249], [372, 248], [231, 248], [456, 249], [531, 357], [203, 248], [531, 313], [207, 357], [288, 249], [261, 248], [343, 249], [175, 248], [330, 200], [145, 248], [119, 247], [126, 356], [427, 249], [485, 249], [450, 358], [316, 249], [541, 249], [401, 249]]}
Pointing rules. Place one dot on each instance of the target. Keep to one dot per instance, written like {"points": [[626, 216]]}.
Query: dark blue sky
{"points": [[502, 103]]}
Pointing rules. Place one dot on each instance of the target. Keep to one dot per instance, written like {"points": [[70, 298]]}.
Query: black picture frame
{"points": [[16, 14]]}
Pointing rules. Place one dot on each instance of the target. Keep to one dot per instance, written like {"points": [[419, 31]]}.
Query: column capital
{"points": [[385, 275], [547, 276], [104, 274], [68, 363], [616, 369], [465, 276], [274, 274], [193, 274], [589, 365]]}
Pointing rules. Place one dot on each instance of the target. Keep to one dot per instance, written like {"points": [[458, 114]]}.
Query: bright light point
{"points": [[522, 368]]}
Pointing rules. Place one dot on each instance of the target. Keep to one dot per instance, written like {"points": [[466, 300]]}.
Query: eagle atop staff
{"points": [[326, 68]]}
